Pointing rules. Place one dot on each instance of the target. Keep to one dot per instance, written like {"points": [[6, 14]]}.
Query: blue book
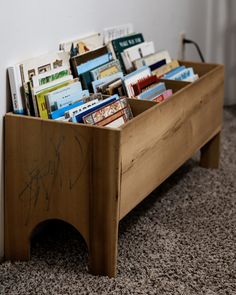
{"points": [[60, 112], [94, 63], [79, 117], [174, 72], [153, 92], [106, 80]]}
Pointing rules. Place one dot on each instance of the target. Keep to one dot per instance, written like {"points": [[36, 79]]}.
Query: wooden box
{"points": [[92, 177]]}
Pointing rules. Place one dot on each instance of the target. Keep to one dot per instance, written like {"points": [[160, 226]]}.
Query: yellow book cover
{"points": [[41, 101], [166, 68]]}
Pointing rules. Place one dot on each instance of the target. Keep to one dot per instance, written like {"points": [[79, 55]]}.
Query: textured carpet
{"points": [[180, 240]]}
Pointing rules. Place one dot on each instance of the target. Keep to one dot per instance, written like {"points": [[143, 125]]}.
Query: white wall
{"points": [[221, 42], [29, 28]]}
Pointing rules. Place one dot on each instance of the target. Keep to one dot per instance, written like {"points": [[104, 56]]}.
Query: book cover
{"points": [[94, 63], [87, 56], [102, 113], [133, 78], [133, 53], [152, 92], [115, 32], [142, 84], [78, 109], [97, 83], [42, 64], [16, 89], [120, 44], [67, 93], [41, 101], [159, 72], [50, 76], [107, 69], [79, 118], [152, 59], [82, 44]]}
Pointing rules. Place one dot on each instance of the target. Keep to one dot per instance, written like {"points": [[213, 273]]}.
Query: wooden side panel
{"points": [[47, 176], [160, 140], [105, 202]]}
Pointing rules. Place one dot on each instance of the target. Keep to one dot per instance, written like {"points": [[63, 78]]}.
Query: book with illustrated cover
{"points": [[50, 76], [110, 79], [142, 84], [79, 117], [117, 119], [78, 109], [82, 44], [85, 57], [152, 59], [106, 111], [133, 53], [107, 69], [152, 92], [161, 71], [133, 78], [163, 96], [68, 94], [120, 44]]}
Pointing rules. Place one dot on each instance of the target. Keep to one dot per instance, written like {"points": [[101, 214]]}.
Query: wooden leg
{"points": [[103, 251], [210, 153]]}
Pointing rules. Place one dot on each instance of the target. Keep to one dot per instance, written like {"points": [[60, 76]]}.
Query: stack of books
{"points": [[87, 80]]}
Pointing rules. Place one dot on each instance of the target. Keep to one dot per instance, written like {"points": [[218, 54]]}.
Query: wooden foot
{"points": [[210, 153]]}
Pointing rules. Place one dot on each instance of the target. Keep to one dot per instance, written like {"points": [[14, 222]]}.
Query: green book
{"points": [[120, 44]]}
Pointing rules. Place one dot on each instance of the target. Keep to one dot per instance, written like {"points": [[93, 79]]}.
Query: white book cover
{"points": [[136, 52], [15, 86], [37, 90], [83, 43], [42, 64], [115, 32], [36, 80], [152, 59], [75, 111]]}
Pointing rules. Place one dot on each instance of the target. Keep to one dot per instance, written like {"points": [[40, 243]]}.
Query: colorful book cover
{"points": [[152, 92], [41, 101], [67, 93], [97, 83], [105, 111], [50, 76], [133, 78], [120, 44], [79, 118], [105, 70], [78, 109]]}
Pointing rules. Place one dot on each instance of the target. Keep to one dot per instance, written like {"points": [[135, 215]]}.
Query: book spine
{"points": [[15, 86], [35, 104]]}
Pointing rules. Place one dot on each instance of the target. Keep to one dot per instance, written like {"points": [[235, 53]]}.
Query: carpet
{"points": [[180, 240]]}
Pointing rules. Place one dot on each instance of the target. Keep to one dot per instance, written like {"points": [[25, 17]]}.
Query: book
{"points": [[29, 105], [41, 101], [78, 109], [142, 84], [107, 69], [97, 83], [16, 89], [117, 119], [152, 59], [61, 111], [94, 63], [182, 74], [104, 112], [42, 64], [157, 65], [120, 44], [87, 56], [79, 117], [163, 96], [50, 76], [133, 78], [159, 72], [115, 32], [152, 92], [68, 94], [133, 53], [82, 44]]}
